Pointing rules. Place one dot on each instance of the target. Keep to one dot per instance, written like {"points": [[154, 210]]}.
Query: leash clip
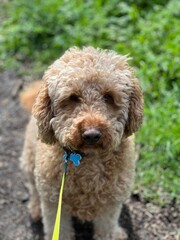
{"points": [[73, 156]]}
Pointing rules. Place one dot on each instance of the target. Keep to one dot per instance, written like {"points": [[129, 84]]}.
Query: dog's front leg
{"points": [[106, 226], [49, 210]]}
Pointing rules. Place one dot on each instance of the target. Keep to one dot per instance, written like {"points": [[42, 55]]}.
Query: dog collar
{"points": [[74, 156]]}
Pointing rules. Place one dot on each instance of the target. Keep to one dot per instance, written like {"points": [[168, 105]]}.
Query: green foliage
{"points": [[158, 167], [155, 49], [37, 32], [43, 29]]}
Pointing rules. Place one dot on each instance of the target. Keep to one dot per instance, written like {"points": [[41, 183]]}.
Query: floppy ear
{"points": [[135, 115], [42, 111]]}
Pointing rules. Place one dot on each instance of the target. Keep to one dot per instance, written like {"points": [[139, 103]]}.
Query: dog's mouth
{"points": [[88, 141], [85, 146]]}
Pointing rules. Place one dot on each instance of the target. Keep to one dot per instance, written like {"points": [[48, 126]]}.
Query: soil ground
{"points": [[142, 220]]}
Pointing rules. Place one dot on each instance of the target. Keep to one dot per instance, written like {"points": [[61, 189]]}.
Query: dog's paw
{"points": [[34, 211], [118, 234]]}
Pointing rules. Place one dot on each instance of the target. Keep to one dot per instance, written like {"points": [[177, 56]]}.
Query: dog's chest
{"points": [[88, 190]]}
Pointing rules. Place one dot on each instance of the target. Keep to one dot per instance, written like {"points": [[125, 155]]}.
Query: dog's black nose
{"points": [[91, 136]]}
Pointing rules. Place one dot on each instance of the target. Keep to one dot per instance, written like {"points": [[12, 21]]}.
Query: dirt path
{"points": [[143, 221]]}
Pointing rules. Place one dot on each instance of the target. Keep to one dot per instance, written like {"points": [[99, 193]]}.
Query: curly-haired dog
{"points": [[89, 101]]}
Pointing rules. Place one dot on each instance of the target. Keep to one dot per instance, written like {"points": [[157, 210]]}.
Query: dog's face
{"points": [[90, 100]]}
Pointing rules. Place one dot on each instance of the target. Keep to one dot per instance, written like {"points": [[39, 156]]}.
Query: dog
{"points": [[89, 103]]}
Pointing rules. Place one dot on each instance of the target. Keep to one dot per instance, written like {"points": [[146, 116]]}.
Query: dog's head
{"points": [[89, 99]]}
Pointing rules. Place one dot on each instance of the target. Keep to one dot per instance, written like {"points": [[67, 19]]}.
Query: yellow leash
{"points": [[75, 157], [57, 224]]}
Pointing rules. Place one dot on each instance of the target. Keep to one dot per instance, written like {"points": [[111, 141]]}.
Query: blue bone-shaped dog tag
{"points": [[74, 157]]}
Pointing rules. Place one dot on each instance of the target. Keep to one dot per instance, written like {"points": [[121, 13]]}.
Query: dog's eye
{"points": [[108, 98], [74, 98]]}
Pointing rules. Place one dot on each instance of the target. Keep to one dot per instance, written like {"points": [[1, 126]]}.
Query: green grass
{"points": [[34, 33], [158, 170]]}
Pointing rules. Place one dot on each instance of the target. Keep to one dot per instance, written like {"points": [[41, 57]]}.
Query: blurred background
{"points": [[35, 33]]}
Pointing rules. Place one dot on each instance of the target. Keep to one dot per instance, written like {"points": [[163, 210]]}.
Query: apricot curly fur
{"points": [[84, 89]]}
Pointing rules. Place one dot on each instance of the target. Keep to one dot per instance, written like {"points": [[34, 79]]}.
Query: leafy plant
{"points": [[42, 30], [155, 49], [158, 167]]}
